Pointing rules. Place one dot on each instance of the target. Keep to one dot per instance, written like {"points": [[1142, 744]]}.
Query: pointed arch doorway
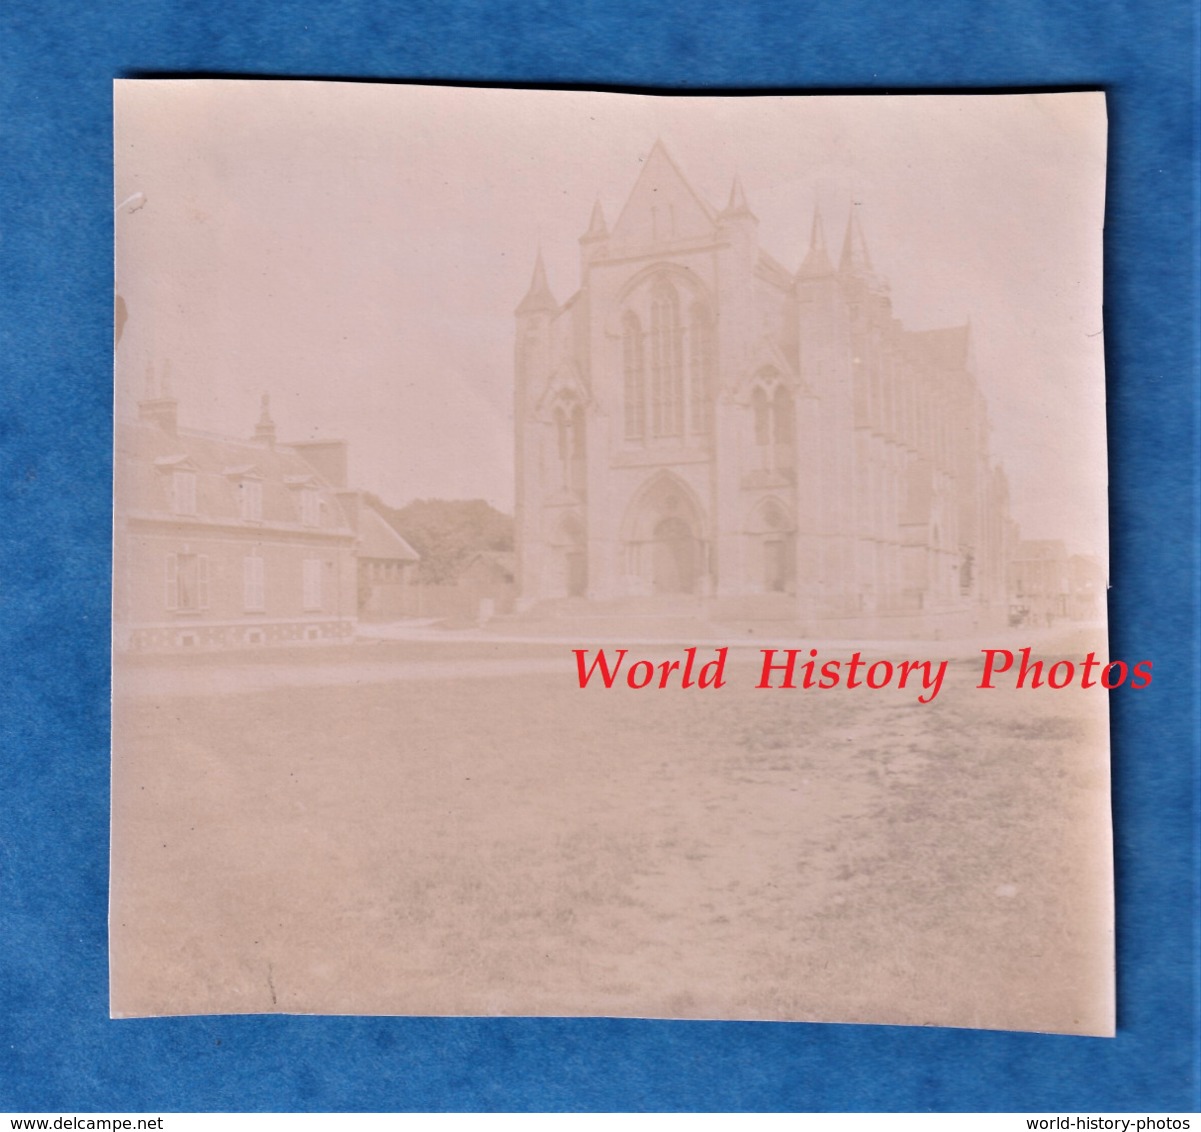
{"points": [[675, 555], [666, 553]]}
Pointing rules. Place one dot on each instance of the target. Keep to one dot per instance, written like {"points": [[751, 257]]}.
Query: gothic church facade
{"points": [[700, 427]]}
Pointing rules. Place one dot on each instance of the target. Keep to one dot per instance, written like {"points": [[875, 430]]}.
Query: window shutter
{"points": [[252, 583], [202, 582], [312, 583], [172, 587]]}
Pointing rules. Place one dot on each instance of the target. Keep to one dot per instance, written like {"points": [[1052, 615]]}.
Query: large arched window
{"points": [[572, 440], [563, 436], [701, 366], [761, 408], [635, 377], [579, 449], [782, 414], [667, 379]]}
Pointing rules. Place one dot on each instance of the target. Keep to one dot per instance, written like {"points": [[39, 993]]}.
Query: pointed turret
{"points": [[817, 259], [538, 297], [855, 259], [597, 228], [737, 205], [264, 430], [739, 224], [593, 242]]}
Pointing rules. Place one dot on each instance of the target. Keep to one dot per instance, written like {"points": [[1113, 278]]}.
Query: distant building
{"points": [[225, 543], [387, 565], [700, 425], [489, 579], [1049, 585], [1087, 587]]}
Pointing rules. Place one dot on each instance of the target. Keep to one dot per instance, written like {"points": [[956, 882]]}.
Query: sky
{"points": [[356, 251]]}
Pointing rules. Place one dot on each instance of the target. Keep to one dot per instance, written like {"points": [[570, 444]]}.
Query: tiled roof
{"points": [[379, 539], [151, 453]]}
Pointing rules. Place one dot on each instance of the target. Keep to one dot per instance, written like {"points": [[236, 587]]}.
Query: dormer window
{"points": [[183, 493], [308, 500], [310, 512], [250, 500]]}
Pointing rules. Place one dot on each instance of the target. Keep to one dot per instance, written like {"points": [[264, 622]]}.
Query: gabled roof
{"points": [[379, 539], [662, 205]]}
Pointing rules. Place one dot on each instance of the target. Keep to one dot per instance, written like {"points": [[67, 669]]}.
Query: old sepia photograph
{"points": [[595, 554]]}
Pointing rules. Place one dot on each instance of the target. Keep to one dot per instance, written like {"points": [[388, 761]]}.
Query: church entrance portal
{"points": [[665, 552], [577, 573], [675, 555]]}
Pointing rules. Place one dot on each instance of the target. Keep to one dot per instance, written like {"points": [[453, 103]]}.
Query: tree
{"points": [[447, 532]]}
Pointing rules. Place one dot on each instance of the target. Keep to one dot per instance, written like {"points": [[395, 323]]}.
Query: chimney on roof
{"points": [[264, 431], [328, 458], [158, 407]]}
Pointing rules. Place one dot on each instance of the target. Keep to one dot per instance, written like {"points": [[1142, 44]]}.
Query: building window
{"points": [[635, 377], [667, 393], [310, 513], [312, 584], [701, 366], [775, 425], [762, 411], [250, 500], [253, 590], [776, 565], [572, 444], [187, 582], [183, 493], [579, 449], [784, 428], [563, 433]]}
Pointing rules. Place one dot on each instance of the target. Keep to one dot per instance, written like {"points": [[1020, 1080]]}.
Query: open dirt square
{"points": [[460, 829]]}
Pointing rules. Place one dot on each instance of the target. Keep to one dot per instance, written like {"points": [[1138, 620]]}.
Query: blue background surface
{"points": [[58, 1049]]}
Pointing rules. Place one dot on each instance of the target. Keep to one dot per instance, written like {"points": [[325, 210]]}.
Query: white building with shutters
{"points": [[228, 543]]}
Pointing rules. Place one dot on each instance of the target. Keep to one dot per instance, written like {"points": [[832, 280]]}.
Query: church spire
{"points": [[538, 297], [817, 259], [855, 259], [737, 204], [597, 228]]}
